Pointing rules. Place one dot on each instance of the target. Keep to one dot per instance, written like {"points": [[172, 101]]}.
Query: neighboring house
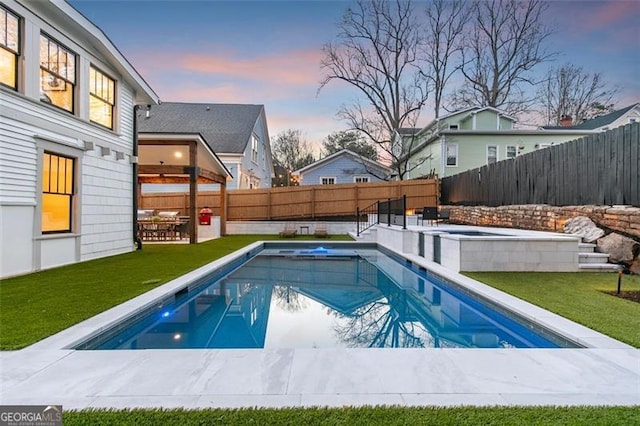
{"points": [[473, 137], [342, 167], [627, 115], [67, 140], [237, 134]]}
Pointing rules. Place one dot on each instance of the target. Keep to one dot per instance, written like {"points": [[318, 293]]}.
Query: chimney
{"points": [[566, 121]]}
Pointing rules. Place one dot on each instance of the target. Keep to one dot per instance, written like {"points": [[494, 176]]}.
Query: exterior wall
{"points": [[472, 149], [429, 158], [102, 212], [256, 174], [344, 168]]}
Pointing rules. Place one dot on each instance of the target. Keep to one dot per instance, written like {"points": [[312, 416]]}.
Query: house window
{"points": [[453, 127], [327, 180], [512, 151], [9, 48], [57, 193], [101, 98], [57, 74], [452, 154], [492, 154], [254, 148], [361, 179], [632, 120]]}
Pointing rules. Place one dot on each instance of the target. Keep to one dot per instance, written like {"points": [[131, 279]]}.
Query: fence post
{"points": [[404, 211], [378, 212], [388, 211], [358, 221]]}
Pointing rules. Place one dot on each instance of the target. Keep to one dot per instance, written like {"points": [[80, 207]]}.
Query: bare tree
{"points": [[506, 43], [377, 53], [291, 151], [570, 91], [446, 22]]}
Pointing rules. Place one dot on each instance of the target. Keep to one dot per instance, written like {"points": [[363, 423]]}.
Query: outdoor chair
{"points": [[433, 215], [289, 230], [430, 214], [321, 231]]}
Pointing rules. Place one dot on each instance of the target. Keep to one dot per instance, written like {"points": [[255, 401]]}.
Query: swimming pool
{"points": [[341, 295]]}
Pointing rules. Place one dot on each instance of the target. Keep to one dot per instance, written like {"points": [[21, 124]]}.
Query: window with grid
{"points": [[512, 152], [327, 180], [361, 179], [492, 154], [452, 155], [57, 74], [102, 98], [57, 193], [9, 48], [254, 148]]}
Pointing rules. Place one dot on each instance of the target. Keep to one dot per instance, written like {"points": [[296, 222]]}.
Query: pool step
{"points": [[586, 248], [592, 258], [598, 267]]}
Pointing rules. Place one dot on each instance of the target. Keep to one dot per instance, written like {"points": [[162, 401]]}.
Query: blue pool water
{"points": [[322, 298]]}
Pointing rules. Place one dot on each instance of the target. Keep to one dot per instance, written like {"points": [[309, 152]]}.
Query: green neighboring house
{"points": [[473, 137]]}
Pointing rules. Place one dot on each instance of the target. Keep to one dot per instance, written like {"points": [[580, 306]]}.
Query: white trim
{"points": [[328, 177], [497, 153], [446, 154], [356, 177]]}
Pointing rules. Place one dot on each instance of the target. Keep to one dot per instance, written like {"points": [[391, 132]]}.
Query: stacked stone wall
{"points": [[621, 219]]}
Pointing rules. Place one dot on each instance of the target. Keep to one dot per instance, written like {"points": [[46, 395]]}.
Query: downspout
{"points": [[134, 164]]}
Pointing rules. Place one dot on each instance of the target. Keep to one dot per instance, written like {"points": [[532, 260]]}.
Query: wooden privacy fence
{"points": [[599, 169], [298, 202]]}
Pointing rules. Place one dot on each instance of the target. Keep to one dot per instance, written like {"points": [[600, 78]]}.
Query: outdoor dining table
{"points": [[161, 230]]}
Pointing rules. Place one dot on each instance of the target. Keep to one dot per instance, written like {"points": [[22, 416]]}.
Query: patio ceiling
{"points": [[170, 158]]}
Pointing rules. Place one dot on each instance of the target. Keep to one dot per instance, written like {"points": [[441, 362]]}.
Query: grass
{"points": [[577, 296], [364, 416], [38, 305]]}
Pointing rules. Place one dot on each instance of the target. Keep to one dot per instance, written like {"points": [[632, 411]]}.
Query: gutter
{"points": [[134, 164]]}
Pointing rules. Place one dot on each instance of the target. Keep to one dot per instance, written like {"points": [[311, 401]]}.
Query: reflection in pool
{"points": [[287, 299]]}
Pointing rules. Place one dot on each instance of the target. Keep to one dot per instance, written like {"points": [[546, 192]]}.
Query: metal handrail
{"points": [[389, 210]]}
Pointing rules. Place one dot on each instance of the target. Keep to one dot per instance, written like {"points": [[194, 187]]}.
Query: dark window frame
{"points": [[3, 43], [70, 193]]}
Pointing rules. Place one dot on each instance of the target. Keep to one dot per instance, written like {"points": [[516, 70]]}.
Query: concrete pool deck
{"points": [[607, 372]]}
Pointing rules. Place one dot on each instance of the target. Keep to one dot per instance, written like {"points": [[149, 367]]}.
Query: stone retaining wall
{"points": [[622, 219]]}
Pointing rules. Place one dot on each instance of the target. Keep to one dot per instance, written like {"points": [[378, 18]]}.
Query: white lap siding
{"points": [[103, 207]]}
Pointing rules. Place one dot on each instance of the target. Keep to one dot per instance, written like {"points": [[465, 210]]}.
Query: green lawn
{"points": [[365, 416], [577, 296], [38, 305]]}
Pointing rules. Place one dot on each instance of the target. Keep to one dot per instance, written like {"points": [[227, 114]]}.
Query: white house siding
{"points": [[103, 213]]}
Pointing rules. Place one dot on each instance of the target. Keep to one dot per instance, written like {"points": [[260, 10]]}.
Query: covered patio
{"points": [[180, 159]]}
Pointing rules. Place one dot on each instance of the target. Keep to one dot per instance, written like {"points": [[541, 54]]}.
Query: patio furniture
{"points": [[433, 215], [289, 230], [321, 230]]}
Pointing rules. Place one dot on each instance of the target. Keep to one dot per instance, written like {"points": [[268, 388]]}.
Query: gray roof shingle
{"points": [[596, 122], [225, 127]]}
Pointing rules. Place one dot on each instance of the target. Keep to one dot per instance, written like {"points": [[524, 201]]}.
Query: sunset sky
{"points": [[269, 52]]}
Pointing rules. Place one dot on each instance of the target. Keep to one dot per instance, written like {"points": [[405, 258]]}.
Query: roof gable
{"points": [[604, 120], [335, 155], [226, 128]]}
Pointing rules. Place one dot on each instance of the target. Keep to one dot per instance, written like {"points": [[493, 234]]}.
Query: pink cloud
{"points": [[609, 13], [298, 67]]}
